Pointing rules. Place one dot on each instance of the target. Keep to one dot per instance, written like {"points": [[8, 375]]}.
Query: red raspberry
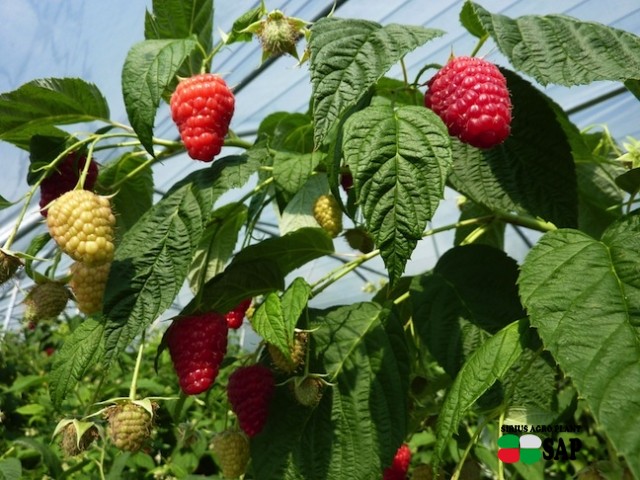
{"points": [[249, 391], [400, 465], [470, 95], [236, 316], [65, 178], [197, 345], [202, 107]]}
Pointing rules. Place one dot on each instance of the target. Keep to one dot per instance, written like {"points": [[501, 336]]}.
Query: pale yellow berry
{"points": [[327, 213], [88, 283]]}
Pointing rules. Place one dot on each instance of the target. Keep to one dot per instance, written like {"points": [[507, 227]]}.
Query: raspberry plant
{"points": [[438, 361]]}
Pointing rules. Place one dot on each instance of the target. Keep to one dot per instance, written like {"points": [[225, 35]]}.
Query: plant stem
{"points": [[135, 171], [340, 272], [479, 45], [435, 66], [136, 370], [462, 223], [465, 454], [405, 76], [237, 142], [524, 221], [500, 464]]}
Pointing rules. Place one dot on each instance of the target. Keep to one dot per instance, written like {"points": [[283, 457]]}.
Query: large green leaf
{"points": [[291, 170], [151, 263], [37, 106], [360, 422], [451, 313], [400, 159], [149, 69], [134, 194], [349, 56], [583, 295], [532, 171], [488, 364], [217, 244], [292, 132], [561, 49], [261, 268], [81, 349], [10, 469], [173, 19]]}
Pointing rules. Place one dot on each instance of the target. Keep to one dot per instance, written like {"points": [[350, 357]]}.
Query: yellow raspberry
{"points": [[327, 213], [82, 224], [232, 451], [45, 300], [298, 353], [130, 426], [88, 283]]}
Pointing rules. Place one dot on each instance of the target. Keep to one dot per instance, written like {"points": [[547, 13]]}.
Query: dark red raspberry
{"points": [[197, 345], [470, 95], [236, 316], [400, 465], [65, 178], [249, 391], [346, 181], [202, 107]]}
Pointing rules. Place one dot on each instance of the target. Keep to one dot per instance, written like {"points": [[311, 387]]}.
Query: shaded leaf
{"points": [[291, 170], [299, 210], [349, 56], [10, 469]]}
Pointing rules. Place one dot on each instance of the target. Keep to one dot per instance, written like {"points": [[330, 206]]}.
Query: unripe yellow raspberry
{"points": [[232, 451], [130, 426], [88, 283], [327, 213], [82, 224], [45, 300], [298, 353]]}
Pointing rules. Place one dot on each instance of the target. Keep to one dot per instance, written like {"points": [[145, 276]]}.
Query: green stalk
{"points": [[136, 370], [479, 45], [525, 221]]}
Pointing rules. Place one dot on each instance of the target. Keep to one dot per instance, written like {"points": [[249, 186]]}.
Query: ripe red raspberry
{"points": [[470, 95], [202, 107], [197, 345], [65, 178], [236, 316], [400, 465], [249, 391]]}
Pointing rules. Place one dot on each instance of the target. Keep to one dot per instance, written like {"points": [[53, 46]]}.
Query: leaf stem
{"points": [[405, 76], [237, 142], [500, 464], [525, 221], [479, 45], [465, 454], [136, 370], [340, 272], [135, 171], [428, 66]]}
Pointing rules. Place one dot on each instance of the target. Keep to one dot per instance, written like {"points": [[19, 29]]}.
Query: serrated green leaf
{"points": [[42, 151], [360, 422], [150, 67], [487, 365], [348, 57], [81, 349], [471, 22], [268, 322], [294, 301], [37, 106], [561, 49], [31, 409], [217, 244], [291, 170], [286, 131], [260, 268], [390, 91], [517, 174], [10, 469], [590, 323], [134, 195], [400, 159], [152, 261], [633, 85], [173, 19], [46, 452], [450, 309]]}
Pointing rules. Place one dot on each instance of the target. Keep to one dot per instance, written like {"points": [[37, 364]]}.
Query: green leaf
{"points": [[46, 452], [173, 19], [629, 181], [81, 349], [275, 320], [31, 409], [37, 106], [561, 49], [148, 70], [10, 469], [4, 203], [390, 91], [451, 313], [152, 261], [471, 22], [217, 244], [43, 150], [633, 85], [291, 132], [348, 57], [517, 174], [400, 159], [488, 364], [591, 323], [360, 422], [242, 22], [134, 195], [291, 170], [260, 268]]}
